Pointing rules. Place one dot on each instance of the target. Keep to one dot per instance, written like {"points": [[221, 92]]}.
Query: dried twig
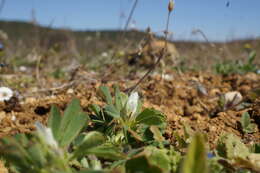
{"points": [[59, 88]]}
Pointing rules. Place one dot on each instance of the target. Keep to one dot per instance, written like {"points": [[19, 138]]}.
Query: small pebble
{"points": [[70, 91]]}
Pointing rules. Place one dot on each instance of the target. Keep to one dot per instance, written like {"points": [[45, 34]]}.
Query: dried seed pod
{"points": [[170, 5]]}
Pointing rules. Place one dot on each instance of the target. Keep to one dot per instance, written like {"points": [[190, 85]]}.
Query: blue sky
{"points": [[213, 17]]}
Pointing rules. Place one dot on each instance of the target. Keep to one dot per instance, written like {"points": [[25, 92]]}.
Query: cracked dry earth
{"points": [[177, 96]]}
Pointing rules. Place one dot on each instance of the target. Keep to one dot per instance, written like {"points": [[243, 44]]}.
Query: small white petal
{"points": [[5, 93], [104, 54], [13, 117], [232, 98], [132, 103], [70, 91], [46, 134], [23, 68], [167, 77]]}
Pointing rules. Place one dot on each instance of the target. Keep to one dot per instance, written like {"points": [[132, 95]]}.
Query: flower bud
{"points": [[170, 5], [132, 103]]}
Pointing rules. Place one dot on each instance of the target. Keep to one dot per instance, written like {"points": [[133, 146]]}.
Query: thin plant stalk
{"points": [[129, 18], [130, 15], [162, 55], [2, 4], [204, 37]]}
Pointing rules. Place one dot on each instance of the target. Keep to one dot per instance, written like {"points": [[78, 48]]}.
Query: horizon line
{"points": [[115, 29]]}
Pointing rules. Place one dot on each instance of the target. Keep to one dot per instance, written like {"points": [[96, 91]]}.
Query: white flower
{"points": [[104, 54], [132, 103], [5, 93], [23, 68], [46, 134], [167, 77], [232, 99], [13, 117]]}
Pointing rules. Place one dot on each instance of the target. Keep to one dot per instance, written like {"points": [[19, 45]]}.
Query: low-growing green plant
{"points": [[120, 137], [58, 73], [59, 146], [247, 126], [236, 156], [230, 147], [65, 129], [185, 140], [153, 159], [237, 67], [122, 118], [255, 148]]}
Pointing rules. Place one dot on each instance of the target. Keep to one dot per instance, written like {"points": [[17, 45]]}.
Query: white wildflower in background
{"points": [[104, 54], [167, 77], [13, 117], [132, 103], [5, 93], [3, 35], [46, 134], [23, 69], [232, 99]]}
